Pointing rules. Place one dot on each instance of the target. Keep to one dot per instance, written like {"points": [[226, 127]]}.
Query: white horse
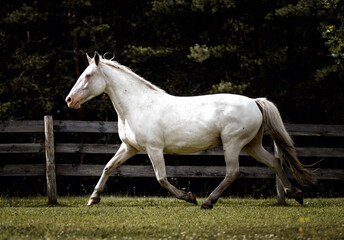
{"points": [[154, 122]]}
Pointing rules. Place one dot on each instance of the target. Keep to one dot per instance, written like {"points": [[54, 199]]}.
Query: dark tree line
{"points": [[277, 49]]}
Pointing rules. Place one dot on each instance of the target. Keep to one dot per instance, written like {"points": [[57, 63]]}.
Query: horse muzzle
{"points": [[73, 102]]}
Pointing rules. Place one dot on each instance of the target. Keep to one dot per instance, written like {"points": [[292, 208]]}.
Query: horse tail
{"points": [[274, 124]]}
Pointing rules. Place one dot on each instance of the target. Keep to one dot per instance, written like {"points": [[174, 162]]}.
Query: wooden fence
{"points": [[48, 126]]}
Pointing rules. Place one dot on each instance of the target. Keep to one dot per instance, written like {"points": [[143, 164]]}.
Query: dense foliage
{"points": [[257, 48]]}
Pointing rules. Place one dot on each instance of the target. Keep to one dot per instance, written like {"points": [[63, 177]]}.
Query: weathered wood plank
{"points": [[112, 149], [185, 171], [22, 148], [85, 126], [18, 170], [320, 152], [89, 170], [329, 173], [22, 126], [301, 152], [315, 130], [86, 148], [59, 126], [172, 171]]}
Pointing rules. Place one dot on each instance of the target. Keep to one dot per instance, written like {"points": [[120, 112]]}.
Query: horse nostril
{"points": [[69, 100]]}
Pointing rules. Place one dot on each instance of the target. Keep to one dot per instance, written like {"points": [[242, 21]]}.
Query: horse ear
{"points": [[88, 59], [96, 57]]}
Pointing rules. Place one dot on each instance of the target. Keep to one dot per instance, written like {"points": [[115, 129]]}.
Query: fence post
{"points": [[279, 188], [50, 159]]}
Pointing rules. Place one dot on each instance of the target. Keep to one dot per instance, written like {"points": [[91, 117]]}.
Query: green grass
{"points": [[169, 218]]}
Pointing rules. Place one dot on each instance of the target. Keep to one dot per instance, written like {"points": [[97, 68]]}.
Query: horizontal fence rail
{"points": [[95, 170], [112, 149], [59, 126]]}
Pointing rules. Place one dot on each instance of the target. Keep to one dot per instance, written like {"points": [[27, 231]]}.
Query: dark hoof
{"points": [[206, 206], [192, 198], [299, 197], [296, 194], [93, 201]]}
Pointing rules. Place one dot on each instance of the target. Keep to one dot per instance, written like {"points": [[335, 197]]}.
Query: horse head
{"points": [[90, 84]]}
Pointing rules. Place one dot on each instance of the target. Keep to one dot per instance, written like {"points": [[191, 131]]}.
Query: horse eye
{"points": [[88, 75]]}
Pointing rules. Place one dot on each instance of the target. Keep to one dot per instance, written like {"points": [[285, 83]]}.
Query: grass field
{"points": [[169, 218]]}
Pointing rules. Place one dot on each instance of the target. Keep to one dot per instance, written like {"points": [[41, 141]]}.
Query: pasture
{"points": [[169, 218]]}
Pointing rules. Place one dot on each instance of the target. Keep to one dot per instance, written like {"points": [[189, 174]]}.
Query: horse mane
{"points": [[125, 69]]}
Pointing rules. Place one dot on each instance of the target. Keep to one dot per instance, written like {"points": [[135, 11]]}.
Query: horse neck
{"points": [[125, 90]]}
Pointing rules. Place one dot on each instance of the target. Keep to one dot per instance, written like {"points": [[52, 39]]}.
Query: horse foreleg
{"points": [[157, 158], [232, 172], [124, 153]]}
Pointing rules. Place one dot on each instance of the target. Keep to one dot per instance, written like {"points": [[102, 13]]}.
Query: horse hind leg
{"points": [[256, 150], [157, 158]]}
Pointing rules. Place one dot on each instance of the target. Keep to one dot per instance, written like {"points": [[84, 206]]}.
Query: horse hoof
{"points": [[299, 197], [192, 198], [296, 194], [206, 206], [93, 201]]}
